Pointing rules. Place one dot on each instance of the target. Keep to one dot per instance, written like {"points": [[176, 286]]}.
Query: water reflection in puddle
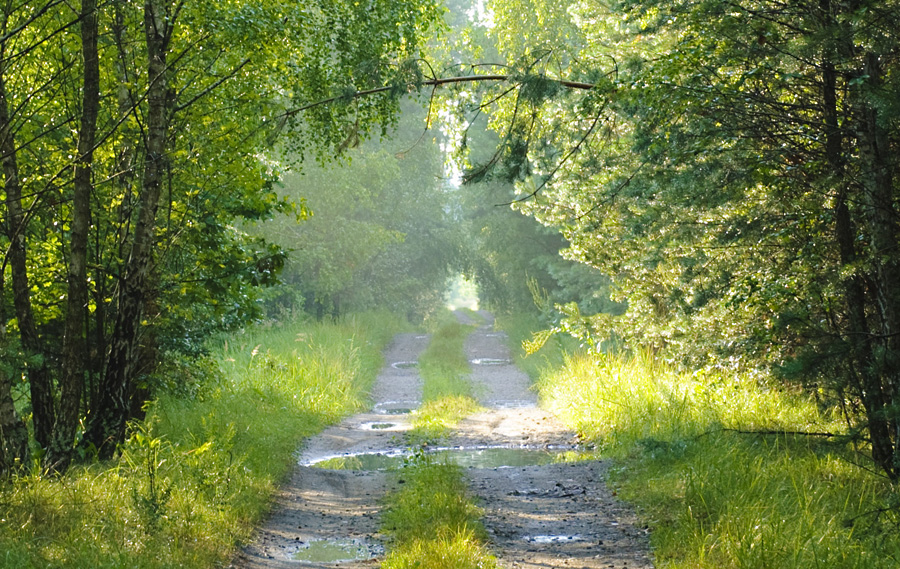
{"points": [[493, 457], [337, 551], [382, 426], [489, 362], [395, 407], [552, 538], [367, 461]]}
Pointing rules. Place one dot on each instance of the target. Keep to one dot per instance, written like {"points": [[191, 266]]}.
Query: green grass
{"points": [[431, 522], [446, 392], [196, 476], [443, 364], [434, 419], [477, 318], [718, 498]]}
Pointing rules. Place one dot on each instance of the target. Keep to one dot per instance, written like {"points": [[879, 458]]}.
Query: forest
{"points": [[711, 184]]}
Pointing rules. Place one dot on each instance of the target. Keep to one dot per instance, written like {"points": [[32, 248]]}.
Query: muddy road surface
{"points": [[538, 516]]}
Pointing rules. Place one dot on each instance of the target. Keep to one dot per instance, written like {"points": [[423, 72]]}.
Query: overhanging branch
{"points": [[441, 82]]}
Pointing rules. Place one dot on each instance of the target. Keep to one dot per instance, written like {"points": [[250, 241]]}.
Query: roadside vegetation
{"points": [[727, 470], [196, 475], [446, 394], [431, 522]]}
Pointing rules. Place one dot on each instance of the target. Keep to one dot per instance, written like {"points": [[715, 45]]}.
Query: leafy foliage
{"points": [[144, 228], [732, 172]]}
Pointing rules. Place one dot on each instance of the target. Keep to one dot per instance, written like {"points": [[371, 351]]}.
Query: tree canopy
{"points": [[725, 170], [131, 135], [733, 172]]}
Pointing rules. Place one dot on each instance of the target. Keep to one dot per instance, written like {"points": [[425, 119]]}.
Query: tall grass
{"points": [[197, 475], [714, 494], [622, 400], [551, 356]]}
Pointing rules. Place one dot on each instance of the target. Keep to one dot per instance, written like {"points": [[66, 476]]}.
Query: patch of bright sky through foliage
{"points": [[481, 15]]}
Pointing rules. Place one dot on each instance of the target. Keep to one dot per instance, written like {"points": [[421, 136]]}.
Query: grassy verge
{"points": [[432, 523], [447, 393], [717, 497], [198, 474]]}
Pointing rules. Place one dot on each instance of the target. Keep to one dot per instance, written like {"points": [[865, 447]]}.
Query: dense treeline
{"points": [[730, 167], [384, 232]]}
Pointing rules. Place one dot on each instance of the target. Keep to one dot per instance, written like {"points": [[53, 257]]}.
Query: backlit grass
{"points": [[435, 418], [714, 495], [443, 364], [199, 473], [431, 522]]}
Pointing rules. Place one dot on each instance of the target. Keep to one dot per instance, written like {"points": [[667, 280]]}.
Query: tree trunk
{"points": [[39, 379], [73, 356], [13, 433], [880, 218], [107, 421], [845, 231]]}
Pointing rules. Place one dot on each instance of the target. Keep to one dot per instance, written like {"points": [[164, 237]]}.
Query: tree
{"points": [[734, 175], [730, 166], [108, 230]]}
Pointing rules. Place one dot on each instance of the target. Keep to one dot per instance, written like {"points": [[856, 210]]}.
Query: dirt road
{"points": [[553, 515]]}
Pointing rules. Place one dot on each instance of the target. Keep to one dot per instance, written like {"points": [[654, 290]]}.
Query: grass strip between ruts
{"points": [[431, 522], [447, 392]]}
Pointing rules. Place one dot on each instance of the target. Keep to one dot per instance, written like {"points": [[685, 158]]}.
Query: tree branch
{"points": [[440, 82]]}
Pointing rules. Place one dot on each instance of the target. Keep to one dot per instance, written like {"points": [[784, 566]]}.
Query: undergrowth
{"points": [[719, 469], [195, 477], [431, 522]]}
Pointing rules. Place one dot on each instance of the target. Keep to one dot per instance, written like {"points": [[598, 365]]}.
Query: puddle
{"points": [[365, 461], [395, 407], [405, 365], [382, 426], [513, 404], [489, 362], [493, 457], [394, 411], [337, 551], [552, 538]]}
